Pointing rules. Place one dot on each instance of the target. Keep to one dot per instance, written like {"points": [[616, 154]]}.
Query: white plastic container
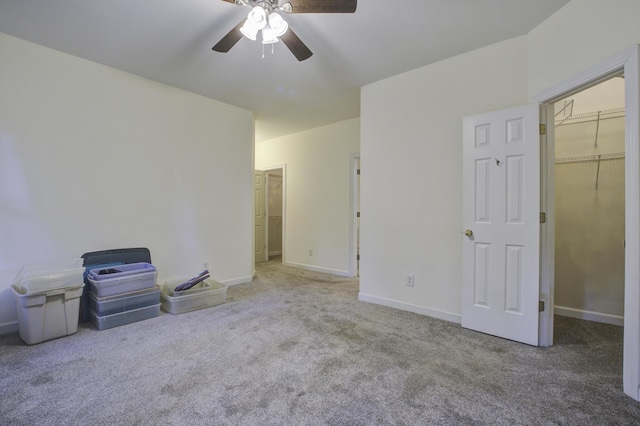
{"points": [[43, 277], [204, 295], [48, 315], [123, 318], [131, 277]]}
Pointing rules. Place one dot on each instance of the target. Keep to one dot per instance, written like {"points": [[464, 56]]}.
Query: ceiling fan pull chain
{"points": [[263, 51]]}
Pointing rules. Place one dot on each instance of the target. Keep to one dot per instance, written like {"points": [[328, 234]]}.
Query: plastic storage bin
{"points": [[128, 278], [49, 315], [204, 295], [110, 305], [122, 318], [43, 277]]}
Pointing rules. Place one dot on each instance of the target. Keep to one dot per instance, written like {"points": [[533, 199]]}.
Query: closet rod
{"points": [[593, 157]]}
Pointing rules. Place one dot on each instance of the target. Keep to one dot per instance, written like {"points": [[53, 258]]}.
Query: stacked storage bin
{"points": [[123, 294], [48, 300]]}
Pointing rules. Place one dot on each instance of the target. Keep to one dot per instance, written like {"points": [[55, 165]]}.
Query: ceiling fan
{"points": [[264, 17]]}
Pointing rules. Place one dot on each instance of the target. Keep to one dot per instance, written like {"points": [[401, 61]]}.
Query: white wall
{"points": [[411, 131], [582, 34], [93, 158], [411, 150], [317, 210]]}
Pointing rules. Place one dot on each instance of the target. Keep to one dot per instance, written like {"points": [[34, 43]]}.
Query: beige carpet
{"points": [[297, 348]]}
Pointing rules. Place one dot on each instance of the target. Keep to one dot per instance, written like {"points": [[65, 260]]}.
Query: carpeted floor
{"points": [[297, 348]]}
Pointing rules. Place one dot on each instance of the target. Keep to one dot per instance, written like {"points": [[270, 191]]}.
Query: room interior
{"points": [[103, 144]]}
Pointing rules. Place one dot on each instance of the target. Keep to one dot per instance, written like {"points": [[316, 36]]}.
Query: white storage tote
{"points": [[48, 315]]}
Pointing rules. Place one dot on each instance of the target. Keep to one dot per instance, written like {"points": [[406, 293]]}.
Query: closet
{"points": [[589, 213]]}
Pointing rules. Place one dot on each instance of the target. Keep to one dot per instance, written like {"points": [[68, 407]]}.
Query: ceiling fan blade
{"points": [[323, 6], [295, 45], [228, 41]]}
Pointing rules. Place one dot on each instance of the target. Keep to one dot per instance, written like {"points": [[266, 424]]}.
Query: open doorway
{"points": [[589, 135], [625, 63]]}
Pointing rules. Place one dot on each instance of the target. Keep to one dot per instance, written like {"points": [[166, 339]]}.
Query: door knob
{"points": [[468, 232]]}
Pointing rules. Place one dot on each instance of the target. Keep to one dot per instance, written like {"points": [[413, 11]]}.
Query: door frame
{"points": [[628, 63], [354, 165], [259, 176], [268, 169]]}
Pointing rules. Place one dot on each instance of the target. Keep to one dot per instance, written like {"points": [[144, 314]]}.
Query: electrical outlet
{"points": [[310, 252], [409, 280]]}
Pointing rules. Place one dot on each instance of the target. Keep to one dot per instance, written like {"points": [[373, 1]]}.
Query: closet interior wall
{"points": [[589, 208]]}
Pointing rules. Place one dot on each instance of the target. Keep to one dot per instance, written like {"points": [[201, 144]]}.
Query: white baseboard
{"points": [[9, 327], [319, 269], [239, 280], [589, 315], [275, 253], [434, 313]]}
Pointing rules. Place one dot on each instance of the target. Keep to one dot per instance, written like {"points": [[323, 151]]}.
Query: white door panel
{"points": [[501, 206]]}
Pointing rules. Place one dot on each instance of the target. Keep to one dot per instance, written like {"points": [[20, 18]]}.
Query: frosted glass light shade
{"points": [[256, 20], [277, 24], [258, 16], [249, 30], [268, 36]]}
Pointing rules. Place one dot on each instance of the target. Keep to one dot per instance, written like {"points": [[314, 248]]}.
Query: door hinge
{"points": [[358, 257], [358, 172], [543, 129], [541, 306], [543, 217], [358, 214]]}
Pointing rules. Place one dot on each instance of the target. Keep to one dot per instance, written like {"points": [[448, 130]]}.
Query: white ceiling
{"points": [[170, 41]]}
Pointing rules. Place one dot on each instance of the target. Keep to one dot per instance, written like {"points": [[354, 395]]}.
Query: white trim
{"points": [[318, 269], [589, 315], [547, 234], [240, 280], [275, 253], [8, 327], [628, 62], [354, 159], [396, 304], [267, 169], [631, 354], [589, 77]]}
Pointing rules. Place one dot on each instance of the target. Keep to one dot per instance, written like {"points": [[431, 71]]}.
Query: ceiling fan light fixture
{"points": [[258, 16], [286, 7], [269, 36], [256, 20], [277, 24], [249, 30]]}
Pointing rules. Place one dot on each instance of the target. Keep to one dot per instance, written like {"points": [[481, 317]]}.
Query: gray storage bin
{"points": [[124, 302]]}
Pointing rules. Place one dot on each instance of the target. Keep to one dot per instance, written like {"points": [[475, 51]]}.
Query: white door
{"points": [[501, 222], [260, 215]]}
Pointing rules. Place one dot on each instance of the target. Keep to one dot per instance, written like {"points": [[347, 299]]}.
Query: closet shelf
{"points": [[591, 117], [593, 157]]}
